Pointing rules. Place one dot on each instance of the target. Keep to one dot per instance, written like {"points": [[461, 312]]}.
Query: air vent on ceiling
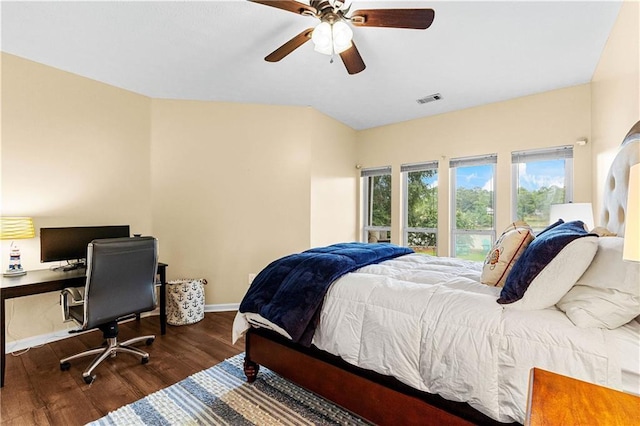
{"points": [[430, 98]]}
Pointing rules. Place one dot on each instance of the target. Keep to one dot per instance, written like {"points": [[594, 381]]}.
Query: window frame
{"points": [[365, 175], [405, 169], [454, 163], [542, 154]]}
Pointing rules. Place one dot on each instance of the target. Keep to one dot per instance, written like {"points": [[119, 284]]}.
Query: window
{"points": [[420, 221], [376, 186], [541, 178], [472, 206]]}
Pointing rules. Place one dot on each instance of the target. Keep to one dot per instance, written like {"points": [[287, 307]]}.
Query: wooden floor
{"points": [[36, 392]]}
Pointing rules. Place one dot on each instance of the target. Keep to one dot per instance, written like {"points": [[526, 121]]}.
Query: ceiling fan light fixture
{"points": [[332, 38], [322, 38], [342, 36]]}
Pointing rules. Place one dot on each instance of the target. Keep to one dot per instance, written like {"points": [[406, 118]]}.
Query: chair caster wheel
{"points": [[89, 379], [150, 341], [65, 366], [144, 360]]}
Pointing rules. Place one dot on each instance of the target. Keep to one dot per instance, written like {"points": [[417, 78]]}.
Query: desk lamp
{"points": [[632, 232], [14, 228]]}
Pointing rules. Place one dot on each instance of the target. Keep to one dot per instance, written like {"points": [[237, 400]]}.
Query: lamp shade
{"points": [[16, 228], [342, 36], [322, 38], [572, 211], [632, 225]]}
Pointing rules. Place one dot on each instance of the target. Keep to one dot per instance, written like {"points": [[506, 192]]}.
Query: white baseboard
{"points": [[225, 307], [43, 339]]}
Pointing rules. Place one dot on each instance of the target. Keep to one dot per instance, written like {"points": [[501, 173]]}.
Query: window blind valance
{"points": [[544, 154], [418, 167], [376, 171], [473, 161]]}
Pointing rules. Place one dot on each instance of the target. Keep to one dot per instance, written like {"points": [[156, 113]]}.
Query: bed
{"points": [[402, 338]]}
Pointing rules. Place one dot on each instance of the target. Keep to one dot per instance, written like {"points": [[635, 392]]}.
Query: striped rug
{"points": [[220, 395]]}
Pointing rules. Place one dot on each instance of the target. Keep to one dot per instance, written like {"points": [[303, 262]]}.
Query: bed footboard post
{"points": [[250, 369]]}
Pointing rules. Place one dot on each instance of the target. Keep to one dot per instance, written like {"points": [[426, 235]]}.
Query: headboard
{"points": [[614, 205]]}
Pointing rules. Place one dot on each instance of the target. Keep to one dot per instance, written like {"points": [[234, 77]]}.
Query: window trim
{"points": [[368, 173], [544, 154], [405, 169], [478, 160]]}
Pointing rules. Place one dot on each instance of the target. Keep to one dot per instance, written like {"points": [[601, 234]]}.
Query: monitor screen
{"points": [[71, 243]]}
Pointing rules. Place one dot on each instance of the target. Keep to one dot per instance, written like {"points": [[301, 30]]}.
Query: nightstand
{"points": [[560, 400]]}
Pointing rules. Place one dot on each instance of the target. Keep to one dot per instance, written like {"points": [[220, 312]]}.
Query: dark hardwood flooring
{"points": [[36, 392]]}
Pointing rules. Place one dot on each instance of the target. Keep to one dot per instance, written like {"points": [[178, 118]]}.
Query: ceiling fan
{"points": [[334, 35]]}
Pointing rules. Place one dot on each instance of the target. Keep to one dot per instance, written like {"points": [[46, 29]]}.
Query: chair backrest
{"points": [[121, 275]]}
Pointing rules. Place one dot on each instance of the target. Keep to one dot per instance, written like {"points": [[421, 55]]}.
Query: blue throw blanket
{"points": [[289, 291]]}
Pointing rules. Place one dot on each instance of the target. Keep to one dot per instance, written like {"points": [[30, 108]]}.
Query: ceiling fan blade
{"points": [[289, 46], [289, 5], [352, 60], [419, 19]]}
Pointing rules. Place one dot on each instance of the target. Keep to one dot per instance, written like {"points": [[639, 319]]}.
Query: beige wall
{"points": [[615, 91], [236, 186], [555, 118], [74, 152], [333, 181]]}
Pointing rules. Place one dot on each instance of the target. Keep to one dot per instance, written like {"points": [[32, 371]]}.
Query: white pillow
{"points": [[608, 294], [555, 280], [504, 253]]}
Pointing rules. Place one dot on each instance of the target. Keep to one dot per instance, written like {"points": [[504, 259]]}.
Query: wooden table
{"points": [[560, 400], [47, 280]]}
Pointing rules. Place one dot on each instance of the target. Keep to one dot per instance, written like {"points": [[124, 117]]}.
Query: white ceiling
{"points": [[475, 52]]}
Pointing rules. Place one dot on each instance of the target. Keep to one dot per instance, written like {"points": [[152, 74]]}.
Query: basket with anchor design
{"points": [[185, 301]]}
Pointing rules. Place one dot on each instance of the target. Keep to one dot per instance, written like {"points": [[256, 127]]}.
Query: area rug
{"points": [[221, 395]]}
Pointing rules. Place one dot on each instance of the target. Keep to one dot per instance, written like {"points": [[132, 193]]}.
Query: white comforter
{"points": [[430, 323]]}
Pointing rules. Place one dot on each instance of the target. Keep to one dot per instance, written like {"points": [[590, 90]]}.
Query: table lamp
{"points": [[572, 211], [15, 228], [632, 230]]}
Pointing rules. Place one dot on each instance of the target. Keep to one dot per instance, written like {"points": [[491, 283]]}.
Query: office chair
{"points": [[121, 275]]}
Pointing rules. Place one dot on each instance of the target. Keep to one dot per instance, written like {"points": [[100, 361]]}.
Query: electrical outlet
{"points": [[251, 278]]}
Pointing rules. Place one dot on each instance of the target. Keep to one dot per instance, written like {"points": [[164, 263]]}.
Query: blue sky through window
{"points": [[431, 180], [532, 175], [474, 177], [537, 174]]}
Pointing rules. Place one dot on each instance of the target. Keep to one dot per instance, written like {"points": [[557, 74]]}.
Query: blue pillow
{"points": [[542, 250]]}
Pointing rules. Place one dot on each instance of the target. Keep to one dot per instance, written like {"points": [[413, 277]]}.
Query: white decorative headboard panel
{"points": [[617, 184]]}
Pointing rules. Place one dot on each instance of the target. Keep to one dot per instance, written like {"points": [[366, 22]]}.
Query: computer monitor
{"points": [[70, 243]]}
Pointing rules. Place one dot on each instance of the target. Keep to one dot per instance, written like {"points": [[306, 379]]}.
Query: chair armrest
{"points": [[69, 297]]}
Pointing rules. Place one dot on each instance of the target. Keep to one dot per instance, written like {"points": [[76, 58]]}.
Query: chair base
{"points": [[110, 350]]}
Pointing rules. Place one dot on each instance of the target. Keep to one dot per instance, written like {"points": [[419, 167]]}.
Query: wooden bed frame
{"points": [[379, 399]]}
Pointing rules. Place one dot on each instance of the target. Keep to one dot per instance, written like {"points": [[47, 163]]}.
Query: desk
{"points": [[46, 280]]}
